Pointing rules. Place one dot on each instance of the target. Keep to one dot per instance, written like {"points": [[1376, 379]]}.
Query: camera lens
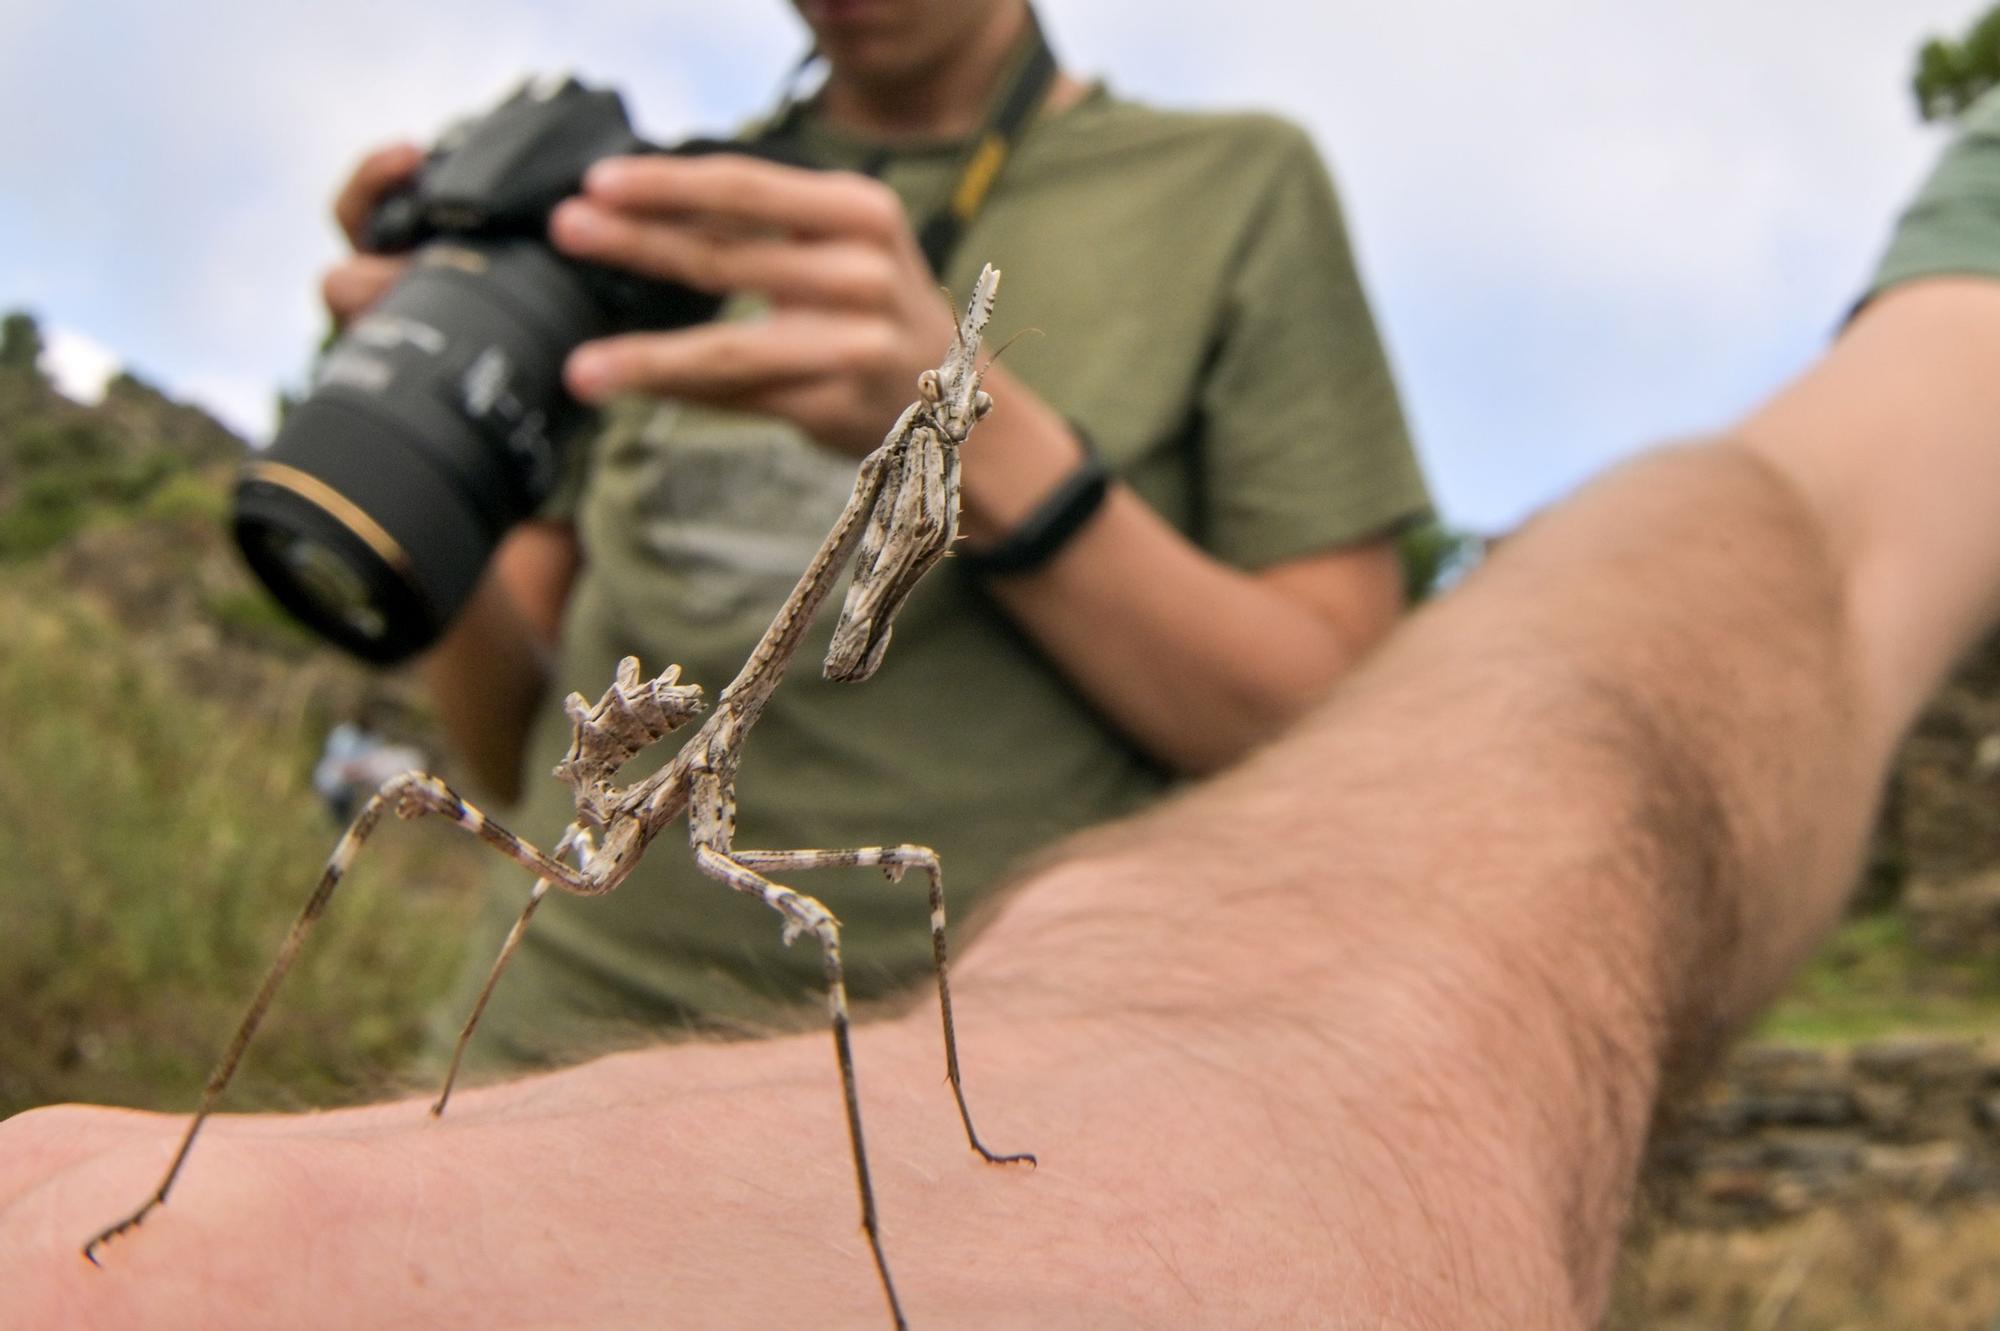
{"points": [[329, 583], [436, 421], [433, 427]]}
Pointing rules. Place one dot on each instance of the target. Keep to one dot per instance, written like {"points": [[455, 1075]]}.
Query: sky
{"points": [[1587, 225]]}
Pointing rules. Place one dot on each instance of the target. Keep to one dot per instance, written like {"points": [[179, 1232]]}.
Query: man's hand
{"points": [[358, 281], [855, 314]]}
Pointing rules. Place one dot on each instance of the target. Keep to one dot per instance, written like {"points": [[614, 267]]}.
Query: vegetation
{"points": [[158, 845], [1951, 76], [1873, 979], [1435, 555], [1856, 1268], [20, 342], [158, 831]]}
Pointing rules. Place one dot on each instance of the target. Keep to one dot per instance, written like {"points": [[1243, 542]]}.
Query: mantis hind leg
{"points": [[410, 795], [803, 914], [894, 861]]}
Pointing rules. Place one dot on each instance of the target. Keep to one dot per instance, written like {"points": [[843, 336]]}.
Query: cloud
{"points": [[79, 365]]}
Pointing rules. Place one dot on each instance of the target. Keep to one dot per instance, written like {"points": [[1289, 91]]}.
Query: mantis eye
{"points": [[928, 387], [982, 402]]}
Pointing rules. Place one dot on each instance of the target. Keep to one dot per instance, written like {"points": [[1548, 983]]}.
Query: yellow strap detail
{"points": [[978, 176]]}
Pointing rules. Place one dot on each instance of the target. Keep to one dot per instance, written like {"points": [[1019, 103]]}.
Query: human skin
{"points": [[1194, 660], [1366, 1032]]}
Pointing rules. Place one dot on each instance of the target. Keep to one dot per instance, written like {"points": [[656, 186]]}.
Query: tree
{"points": [[1435, 555], [20, 342], [1951, 76]]}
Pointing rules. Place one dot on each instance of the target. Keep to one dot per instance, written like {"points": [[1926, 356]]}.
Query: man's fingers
{"points": [[837, 273], [374, 176], [357, 282], [750, 192], [725, 361]]}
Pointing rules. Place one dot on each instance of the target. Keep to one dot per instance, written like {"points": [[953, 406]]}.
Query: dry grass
{"points": [[1881, 1267], [154, 846]]}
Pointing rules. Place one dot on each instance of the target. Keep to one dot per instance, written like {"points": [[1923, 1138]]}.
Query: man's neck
{"points": [[947, 97]]}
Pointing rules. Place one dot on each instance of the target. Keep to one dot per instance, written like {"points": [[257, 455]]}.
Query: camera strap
{"points": [[1033, 73]]}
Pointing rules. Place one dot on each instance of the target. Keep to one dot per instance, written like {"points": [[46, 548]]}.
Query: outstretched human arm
{"points": [[1369, 1029]]}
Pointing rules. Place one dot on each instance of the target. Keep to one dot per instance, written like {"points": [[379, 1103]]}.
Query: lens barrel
{"points": [[433, 427]]}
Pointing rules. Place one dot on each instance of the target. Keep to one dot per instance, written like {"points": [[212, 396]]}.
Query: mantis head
{"points": [[951, 393]]}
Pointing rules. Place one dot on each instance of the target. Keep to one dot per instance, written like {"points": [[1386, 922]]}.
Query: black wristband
{"points": [[1041, 535]]}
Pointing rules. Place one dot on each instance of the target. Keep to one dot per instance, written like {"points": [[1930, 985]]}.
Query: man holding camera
{"points": [[1202, 337]]}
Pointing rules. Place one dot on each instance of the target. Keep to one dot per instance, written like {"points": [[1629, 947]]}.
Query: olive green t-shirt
{"points": [[1197, 312], [1953, 226]]}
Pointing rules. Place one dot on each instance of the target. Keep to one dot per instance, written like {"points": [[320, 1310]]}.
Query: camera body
{"points": [[438, 419]]}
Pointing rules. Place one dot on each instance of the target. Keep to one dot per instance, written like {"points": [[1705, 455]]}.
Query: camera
{"points": [[438, 419]]}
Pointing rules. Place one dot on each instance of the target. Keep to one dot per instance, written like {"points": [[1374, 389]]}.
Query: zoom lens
{"points": [[433, 427]]}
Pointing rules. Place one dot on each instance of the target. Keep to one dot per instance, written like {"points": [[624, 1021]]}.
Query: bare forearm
{"points": [[485, 677], [489, 671]]}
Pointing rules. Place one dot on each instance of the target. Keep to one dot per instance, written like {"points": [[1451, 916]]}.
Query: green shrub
{"points": [[50, 507], [1951, 76], [64, 442], [157, 847], [187, 496]]}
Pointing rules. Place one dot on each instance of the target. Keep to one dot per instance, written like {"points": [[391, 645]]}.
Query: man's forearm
{"points": [[1370, 1028], [1573, 824]]}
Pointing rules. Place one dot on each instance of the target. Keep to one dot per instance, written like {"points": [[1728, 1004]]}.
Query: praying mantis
{"points": [[899, 522]]}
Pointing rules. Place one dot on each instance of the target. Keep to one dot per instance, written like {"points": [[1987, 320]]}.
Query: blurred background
{"points": [[1587, 227]]}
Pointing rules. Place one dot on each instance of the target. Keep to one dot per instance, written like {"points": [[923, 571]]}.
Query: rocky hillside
{"points": [[122, 506], [159, 723]]}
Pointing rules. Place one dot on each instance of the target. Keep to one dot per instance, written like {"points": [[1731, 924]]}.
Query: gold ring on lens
{"points": [[335, 505]]}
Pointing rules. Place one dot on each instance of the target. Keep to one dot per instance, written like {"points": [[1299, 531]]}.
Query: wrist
{"points": [[1021, 451], [1046, 529], [1031, 482]]}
